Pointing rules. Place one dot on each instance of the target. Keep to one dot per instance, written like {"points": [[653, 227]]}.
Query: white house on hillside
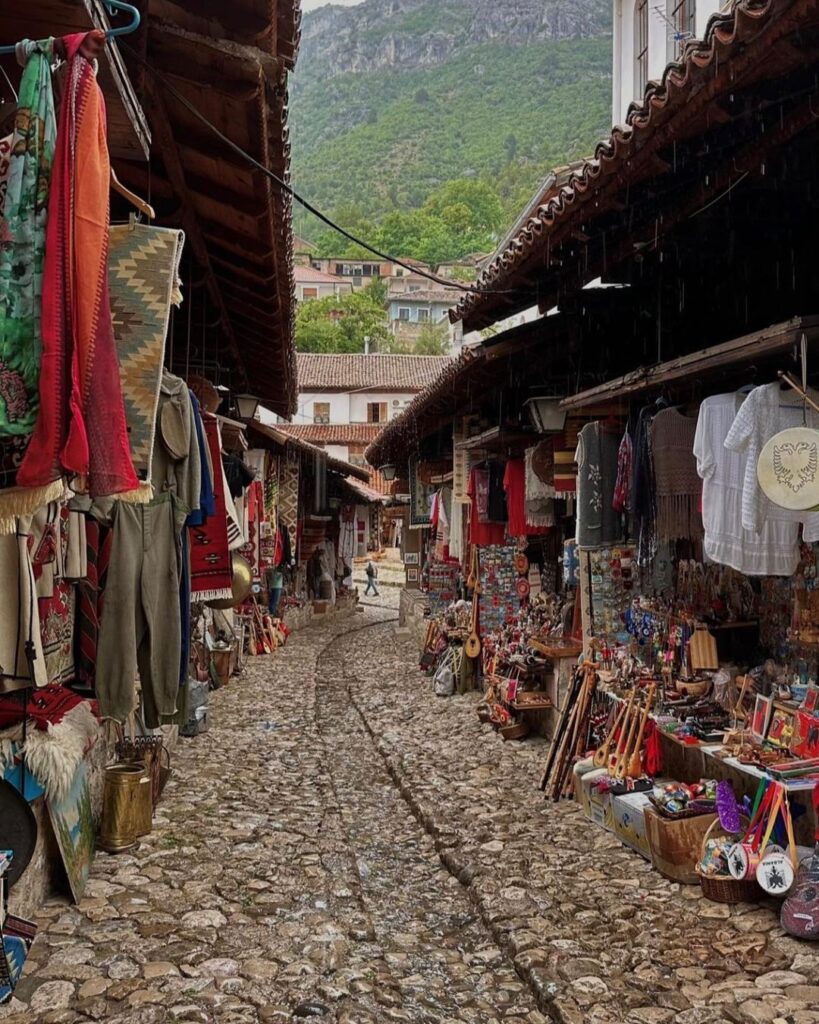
{"points": [[345, 399], [648, 34]]}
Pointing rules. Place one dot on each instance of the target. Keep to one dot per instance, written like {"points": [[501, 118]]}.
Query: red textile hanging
{"points": [[81, 430], [211, 564]]}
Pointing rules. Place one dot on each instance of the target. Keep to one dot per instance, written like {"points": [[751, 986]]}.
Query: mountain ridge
{"points": [[421, 33], [391, 99]]}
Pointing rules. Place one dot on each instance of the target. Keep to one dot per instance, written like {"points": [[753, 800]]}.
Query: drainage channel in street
{"points": [[445, 963]]}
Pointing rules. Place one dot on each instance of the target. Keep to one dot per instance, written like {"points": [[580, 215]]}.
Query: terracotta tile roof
{"points": [[353, 372], [744, 34], [278, 437], [449, 296], [394, 436], [308, 275], [333, 433]]}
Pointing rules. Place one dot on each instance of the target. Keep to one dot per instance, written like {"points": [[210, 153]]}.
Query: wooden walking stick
{"points": [[565, 711], [572, 736]]}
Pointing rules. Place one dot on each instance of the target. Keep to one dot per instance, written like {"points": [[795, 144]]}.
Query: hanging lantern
{"points": [[546, 415], [246, 406], [388, 472]]}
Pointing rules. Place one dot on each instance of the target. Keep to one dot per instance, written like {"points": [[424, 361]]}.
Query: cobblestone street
{"points": [[342, 846]]}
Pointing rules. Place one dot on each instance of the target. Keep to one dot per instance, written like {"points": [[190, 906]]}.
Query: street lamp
{"points": [[247, 406], [388, 472], [546, 415]]}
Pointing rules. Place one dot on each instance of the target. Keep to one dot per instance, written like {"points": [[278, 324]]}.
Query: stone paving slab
{"points": [[599, 936], [344, 846]]}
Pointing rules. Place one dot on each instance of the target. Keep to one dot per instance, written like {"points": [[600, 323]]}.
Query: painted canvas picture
{"points": [[75, 827], [780, 731], [762, 714]]}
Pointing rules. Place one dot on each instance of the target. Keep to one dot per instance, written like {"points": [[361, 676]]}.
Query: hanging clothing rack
{"points": [[113, 6]]}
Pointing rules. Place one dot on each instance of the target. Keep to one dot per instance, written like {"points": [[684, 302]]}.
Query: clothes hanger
{"points": [[113, 6], [132, 197]]}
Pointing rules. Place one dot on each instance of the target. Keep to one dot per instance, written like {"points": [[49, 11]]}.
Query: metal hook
{"points": [[113, 6]]}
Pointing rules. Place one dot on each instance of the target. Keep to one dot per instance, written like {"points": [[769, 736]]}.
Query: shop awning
{"points": [[231, 63], [363, 493], [128, 133], [656, 171], [262, 432], [478, 373]]}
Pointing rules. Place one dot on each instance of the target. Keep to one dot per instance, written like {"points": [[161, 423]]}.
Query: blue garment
{"points": [[197, 516], [207, 500]]}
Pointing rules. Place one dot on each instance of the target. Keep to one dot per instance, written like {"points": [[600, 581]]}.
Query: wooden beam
{"points": [[705, 362], [654, 229], [176, 174]]}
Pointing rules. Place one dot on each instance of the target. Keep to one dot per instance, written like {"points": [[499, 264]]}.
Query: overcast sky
{"points": [[309, 5]]}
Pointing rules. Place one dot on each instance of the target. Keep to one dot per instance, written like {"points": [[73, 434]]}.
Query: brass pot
{"points": [[242, 582], [120, 806]]}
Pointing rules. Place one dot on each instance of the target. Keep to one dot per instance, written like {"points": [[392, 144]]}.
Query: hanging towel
{"points": [[25, 171], [81, 429]]}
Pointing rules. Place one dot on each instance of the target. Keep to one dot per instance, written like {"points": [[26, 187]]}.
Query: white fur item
{"points": [[54, 754]]}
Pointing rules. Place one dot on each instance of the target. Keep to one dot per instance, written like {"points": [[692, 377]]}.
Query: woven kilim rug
{"points": [[143, 279]]}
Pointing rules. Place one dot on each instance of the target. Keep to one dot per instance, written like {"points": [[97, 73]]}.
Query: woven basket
{"points": [[514, 731], [679, 815], [695, 689], [726, 888]]}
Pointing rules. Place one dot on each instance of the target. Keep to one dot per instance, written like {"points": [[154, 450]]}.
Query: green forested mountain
{"points": [[393, 98]]}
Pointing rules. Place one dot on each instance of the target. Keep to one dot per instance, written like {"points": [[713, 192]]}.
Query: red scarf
{"points": [[211, 564], [81, 429]]}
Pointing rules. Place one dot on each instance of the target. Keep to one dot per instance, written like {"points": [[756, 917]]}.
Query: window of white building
{"points": [[640, 48], [682, 16]]}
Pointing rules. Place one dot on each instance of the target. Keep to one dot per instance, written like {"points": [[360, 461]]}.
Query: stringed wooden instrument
{"points": [[625, 755], [614, 758], [472, 644], [635, 765], [601, 755]]}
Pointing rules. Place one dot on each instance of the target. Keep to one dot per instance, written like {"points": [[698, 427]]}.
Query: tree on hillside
{"points": [[467, 205], [339, 323], [433, 340], [459, 218]]}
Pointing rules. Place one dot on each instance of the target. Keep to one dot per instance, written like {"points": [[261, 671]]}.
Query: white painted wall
{"points": [[360, 401], [660, 46], [350, 408], [338, 451], [324, 288], [339, 406], [705, 9]]}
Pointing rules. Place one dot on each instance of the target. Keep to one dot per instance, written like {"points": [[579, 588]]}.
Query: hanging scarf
{"points": [[81, 429], [23, 231], [211, 565]]}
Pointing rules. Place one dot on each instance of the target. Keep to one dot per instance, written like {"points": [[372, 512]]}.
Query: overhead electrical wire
{"points": [[305, 203]]}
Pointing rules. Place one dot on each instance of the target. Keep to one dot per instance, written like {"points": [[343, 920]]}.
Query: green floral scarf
{"points": [[22, 248]]}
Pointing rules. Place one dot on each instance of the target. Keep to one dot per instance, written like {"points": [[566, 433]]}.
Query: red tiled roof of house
{"points": [[354, 372], [308, 275], [333, 433]]}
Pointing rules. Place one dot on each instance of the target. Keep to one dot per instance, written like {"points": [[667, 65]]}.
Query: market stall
{"points": [[121, 511]]}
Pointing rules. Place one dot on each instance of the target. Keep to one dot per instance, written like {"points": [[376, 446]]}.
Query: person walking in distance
{"points": [[372, 573]]}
